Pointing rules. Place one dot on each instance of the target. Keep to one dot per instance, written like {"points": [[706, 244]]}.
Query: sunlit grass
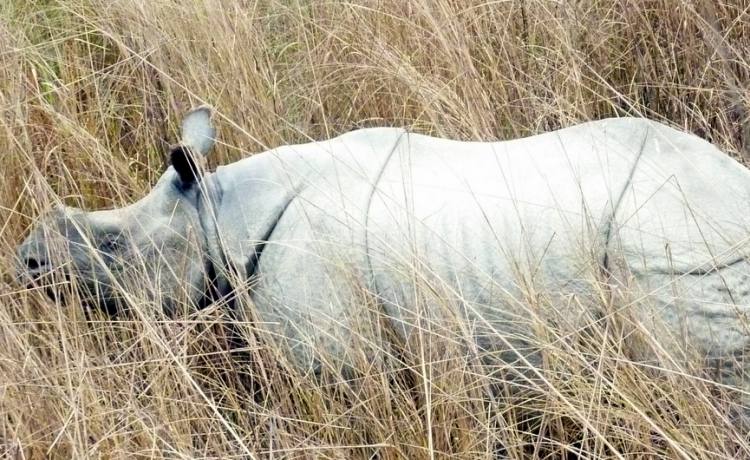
{"points": [[91, 94]]}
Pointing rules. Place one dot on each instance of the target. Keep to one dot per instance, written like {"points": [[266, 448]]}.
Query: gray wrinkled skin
{"points": [[442, 234]]}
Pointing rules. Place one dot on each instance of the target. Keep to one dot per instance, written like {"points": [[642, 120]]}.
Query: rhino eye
{"points": [[111, 242]]}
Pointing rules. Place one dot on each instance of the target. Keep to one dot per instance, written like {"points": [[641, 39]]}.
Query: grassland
{"points": [[91, 93]]}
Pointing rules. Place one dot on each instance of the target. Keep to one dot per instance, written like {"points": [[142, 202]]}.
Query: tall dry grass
{"points": [[90, 95]]}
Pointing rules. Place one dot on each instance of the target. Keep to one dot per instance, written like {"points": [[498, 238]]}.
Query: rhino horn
{"points": [[198, 134]]}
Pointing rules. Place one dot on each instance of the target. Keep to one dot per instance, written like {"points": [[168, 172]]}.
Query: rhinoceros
{"points": [[478, 236]]}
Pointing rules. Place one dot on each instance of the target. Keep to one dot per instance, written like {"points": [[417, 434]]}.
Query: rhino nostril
{"points": [[33, 263]]}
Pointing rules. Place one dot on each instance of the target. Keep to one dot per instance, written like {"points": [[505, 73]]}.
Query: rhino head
{"points": [[156, 244]]}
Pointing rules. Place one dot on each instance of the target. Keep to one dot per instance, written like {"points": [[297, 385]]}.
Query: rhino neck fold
{"points": [[251, 266], [611, 220], [208, 201]]}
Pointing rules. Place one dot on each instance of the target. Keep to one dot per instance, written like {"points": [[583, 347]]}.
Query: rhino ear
{"points": [[198, 134]]}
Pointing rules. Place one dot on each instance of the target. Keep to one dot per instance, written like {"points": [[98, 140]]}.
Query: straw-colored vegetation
{"points": [[91, 92]]}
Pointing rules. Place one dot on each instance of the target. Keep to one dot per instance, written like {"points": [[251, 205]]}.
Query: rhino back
{"points": [[489, 227]]}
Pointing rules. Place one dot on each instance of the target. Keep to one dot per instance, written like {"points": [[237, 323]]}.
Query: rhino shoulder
{"points": [[257, 192]]}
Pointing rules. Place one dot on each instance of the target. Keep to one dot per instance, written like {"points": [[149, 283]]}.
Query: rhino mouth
{"points": [[53, 282], [58, 285]]}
